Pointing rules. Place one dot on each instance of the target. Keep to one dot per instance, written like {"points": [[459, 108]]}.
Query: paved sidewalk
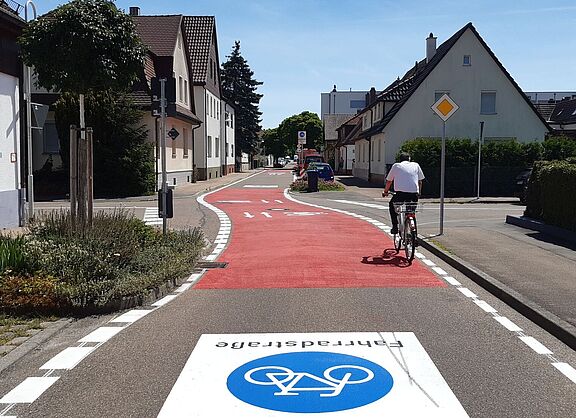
{"points": [[533, 271]]}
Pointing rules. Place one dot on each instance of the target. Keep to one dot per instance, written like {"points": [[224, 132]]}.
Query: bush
{"points": [[323, 186], [31, 294], [559, 148], [551, 191], [12, 254], [79, 267]]}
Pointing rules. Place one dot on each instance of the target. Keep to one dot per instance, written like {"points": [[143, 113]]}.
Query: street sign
{"points": [[445, 107], [299, 147], [301, 137], [173, 133], [357, 374]]}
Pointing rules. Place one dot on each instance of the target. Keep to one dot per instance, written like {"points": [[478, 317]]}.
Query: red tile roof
{"points": [[198, 31], [159, 33]]}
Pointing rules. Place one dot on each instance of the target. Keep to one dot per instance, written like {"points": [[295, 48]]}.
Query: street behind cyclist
{"points": [[407, 178]]}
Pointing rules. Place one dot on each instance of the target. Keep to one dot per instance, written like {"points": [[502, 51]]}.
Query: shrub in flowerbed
{"points": [[88, 268], [323, 186]]}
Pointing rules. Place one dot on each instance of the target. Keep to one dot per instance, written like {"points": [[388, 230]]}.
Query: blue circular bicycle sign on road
{"points": [[310, 382]]}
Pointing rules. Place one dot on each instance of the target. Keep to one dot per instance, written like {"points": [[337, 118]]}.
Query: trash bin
{"points": [[312, 180]]}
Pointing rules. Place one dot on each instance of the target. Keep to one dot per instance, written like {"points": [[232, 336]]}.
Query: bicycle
{"points": [[407, 235]]}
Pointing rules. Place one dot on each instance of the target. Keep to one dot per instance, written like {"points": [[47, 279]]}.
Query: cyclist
{"points": [[407, 177]]}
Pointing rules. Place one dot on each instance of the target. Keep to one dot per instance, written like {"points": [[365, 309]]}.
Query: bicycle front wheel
{"points": [[409, 240], [397, 242]]}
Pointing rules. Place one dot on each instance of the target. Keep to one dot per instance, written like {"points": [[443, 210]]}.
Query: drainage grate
{"points": [[211, 265]]}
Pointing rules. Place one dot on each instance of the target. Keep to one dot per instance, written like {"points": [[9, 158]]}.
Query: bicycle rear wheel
{"points": [[409, 239]]}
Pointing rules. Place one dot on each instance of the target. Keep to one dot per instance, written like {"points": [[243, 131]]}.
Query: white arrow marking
{"points": [[265, 201], [278, 201], [266, 214], [248, 215]]}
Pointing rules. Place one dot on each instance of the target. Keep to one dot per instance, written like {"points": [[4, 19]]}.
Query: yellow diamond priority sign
{"points": [[445, 107]]}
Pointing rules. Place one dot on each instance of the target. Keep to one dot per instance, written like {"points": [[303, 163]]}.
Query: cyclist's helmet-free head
{"points": [[403, 156]]}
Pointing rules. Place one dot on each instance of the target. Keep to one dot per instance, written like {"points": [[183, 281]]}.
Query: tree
{"points": [[272, 143], [306, 121], [239, 87]]}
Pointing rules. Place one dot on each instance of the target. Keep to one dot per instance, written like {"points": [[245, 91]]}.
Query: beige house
{"points": [[467, 70]]}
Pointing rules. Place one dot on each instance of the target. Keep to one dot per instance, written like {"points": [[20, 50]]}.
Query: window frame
{"points": [[469, 63], [486, 93]]}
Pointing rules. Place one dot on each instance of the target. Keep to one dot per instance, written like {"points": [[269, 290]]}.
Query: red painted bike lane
{"points": [[278, 243]]}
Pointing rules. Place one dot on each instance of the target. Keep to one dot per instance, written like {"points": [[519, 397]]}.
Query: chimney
{"points": [[430, 47], [134, 11], [334, 89], [372, 96]]}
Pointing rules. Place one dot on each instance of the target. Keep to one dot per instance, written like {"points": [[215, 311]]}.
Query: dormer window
{"points": [[467, 61]]}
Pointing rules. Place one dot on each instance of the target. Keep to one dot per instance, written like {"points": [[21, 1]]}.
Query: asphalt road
{"points": [[436, 343]]}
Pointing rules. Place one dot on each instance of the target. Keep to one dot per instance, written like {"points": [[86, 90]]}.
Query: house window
{"points": [[51, 141], [488, 103], [218, 110], [467, 61], [185, 143], [232, 150], [179, 43], [180, 89], [209, 150], [217, 146], [372, 151], [227, 118], [379, 148], [173, 147], [231, 120], [186, 91]]}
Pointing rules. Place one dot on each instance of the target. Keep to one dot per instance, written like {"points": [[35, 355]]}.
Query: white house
{"points": [[11, 122], [228, 138], [168, 57], [467, 70], [200, 32]]}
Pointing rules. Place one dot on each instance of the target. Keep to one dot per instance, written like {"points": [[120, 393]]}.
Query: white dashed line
{"points": [[485, 306], [440, 271], [535, 345], [67, 359], [132, 316], [101, 335], [509, 325], [452, 280], [467, 292], [566, 370], [29, 390]]}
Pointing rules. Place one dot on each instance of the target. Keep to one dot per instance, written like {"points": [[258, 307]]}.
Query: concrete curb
{"points": [[535, 225], [33, 343], [556, 326]]}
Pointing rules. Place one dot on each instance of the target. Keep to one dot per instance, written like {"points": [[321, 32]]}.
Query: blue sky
{"points": [[301, 48]]}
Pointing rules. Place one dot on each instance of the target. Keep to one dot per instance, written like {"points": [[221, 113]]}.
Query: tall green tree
{"points": [[239, 87], [306, 121], [272, 144]]}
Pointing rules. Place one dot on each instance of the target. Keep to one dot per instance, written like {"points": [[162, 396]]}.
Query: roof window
{"points": [[467, 61]]}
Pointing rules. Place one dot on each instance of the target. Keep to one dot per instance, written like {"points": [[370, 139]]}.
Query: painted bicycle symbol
{"points": [[287, 380]]}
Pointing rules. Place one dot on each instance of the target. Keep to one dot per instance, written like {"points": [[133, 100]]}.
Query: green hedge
{"points": [[551, 191]]}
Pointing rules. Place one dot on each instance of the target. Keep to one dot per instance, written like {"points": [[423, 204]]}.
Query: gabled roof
{"points": [[198, 31], [159, 33], [564, 112], [401, 90]]}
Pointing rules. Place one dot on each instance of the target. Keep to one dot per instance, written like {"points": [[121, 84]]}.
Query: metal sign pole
{"points": [[480, 140], [442, 175], [28, 98], [163, 151]]}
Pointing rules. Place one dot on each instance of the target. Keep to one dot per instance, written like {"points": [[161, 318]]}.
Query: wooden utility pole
{"points": [[81, 177], [73, 172]]}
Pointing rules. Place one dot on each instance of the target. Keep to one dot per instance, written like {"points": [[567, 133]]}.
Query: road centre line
{"points": [[566, 369]]}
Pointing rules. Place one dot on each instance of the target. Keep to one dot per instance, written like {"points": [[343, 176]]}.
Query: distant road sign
{"points": [[445, 107], [301, 137], [173, 133]]}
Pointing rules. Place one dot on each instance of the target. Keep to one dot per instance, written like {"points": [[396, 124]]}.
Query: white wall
{"points": [[230, 136], [9, 147], [212, 126], [361, 159], [513, 118]]}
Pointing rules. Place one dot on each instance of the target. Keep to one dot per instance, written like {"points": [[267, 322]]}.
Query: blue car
{"points": [[325, 172]]}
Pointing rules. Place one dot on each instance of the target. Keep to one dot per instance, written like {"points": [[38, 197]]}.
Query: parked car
{"points": [[521, 185], [325, 171]]}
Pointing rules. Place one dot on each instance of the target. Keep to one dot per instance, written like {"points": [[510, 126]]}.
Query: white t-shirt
{"points": [[405, 175]]}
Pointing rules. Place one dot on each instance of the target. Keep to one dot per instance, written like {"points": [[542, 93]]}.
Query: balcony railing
{"points": [[12, 6]]}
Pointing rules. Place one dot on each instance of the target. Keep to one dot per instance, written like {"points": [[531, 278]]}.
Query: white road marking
{"points": [[509, 325], [261, 186], [266, 214], [132, 316], [151, 217], [485, 306], [304, 213], [265, 201], [183, 287], [234, 201], [420, 255], [165, 300], [248, 215], [278, 201], [535, 345], [67, 359], [452, 280], [29, 390], [440, 271], [566, 370], [101, 335], [467, 292], [428, 262]]}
